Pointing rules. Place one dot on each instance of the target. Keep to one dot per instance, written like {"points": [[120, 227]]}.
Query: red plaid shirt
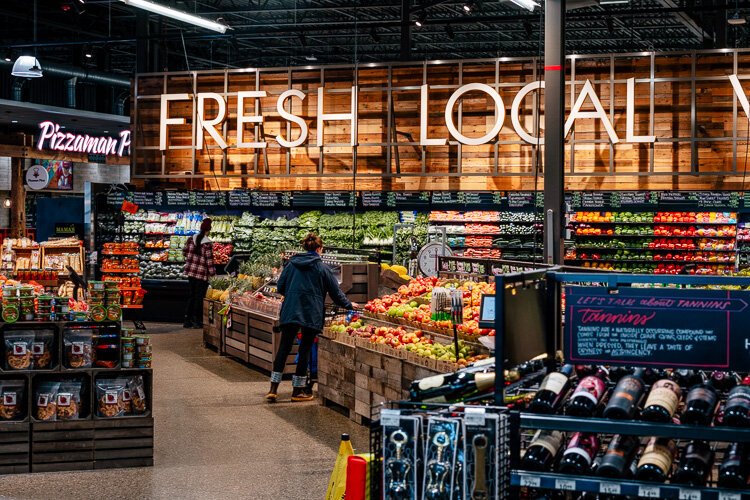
{"points": [[199, 266]]}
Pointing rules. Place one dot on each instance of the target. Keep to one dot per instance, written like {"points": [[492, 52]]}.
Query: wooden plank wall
{"points": [[706, 152]]}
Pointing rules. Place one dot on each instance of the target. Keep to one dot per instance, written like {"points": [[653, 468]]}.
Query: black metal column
{"points": [[142, 44], [554, 123], [405, 52]]}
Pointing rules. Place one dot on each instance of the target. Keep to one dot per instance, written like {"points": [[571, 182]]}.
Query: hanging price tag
{"points": [[609, 488], [531, 481], [689, 494], [474, 416], [565, 484], [649, 492], [389, 418]]}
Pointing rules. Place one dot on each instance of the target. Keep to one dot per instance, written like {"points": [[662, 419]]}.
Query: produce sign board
{"points": [[524, 200], [700, 199], [239, 198], [309, 199], [264, 199], [178, 198], [690, 328], [208, 198], [146, 198]]}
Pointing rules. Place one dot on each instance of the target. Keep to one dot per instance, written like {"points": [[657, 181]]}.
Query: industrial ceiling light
{"points": [[420, 21], [27, 67], [87, 52], [7, 203], [736, 20], [177, 14], [612, 2], [467, 7], [311, 57], [8, 56], [526, 4]]}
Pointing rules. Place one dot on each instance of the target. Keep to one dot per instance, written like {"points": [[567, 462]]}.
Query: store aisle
{"points": [[215, 437]]}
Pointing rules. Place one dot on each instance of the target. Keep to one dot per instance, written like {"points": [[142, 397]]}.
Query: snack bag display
{"points": [[12, 400], [69, 400], [111, 398], [46, 401], [42, 348], [18, 350], [137, 391], [78, 348]]}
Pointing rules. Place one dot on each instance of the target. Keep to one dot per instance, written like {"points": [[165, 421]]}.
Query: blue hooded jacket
{"points": [[304, 283]]}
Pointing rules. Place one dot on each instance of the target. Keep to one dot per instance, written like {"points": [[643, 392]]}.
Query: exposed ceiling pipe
{"points": [[70, 88], [82, 74], [18, 89]]}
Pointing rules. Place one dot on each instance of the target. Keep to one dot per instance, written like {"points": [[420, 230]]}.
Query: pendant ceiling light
{"points": [[177, 14], [27, 67]]}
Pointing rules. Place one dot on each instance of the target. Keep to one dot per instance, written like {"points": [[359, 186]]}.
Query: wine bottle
{"points": [[662, 401], [626, 396], [585, 370], [552, 391], [587, 394], [734, 470], [700, 404], [695, 464], [723, 381], [617, 461], [656, 462], [579, 454], [737, 407], [617, 372], [686, 378], [451, 387], [541, 453]]}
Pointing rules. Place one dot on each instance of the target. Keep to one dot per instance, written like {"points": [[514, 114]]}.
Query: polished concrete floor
{"points": [[215, 437]]}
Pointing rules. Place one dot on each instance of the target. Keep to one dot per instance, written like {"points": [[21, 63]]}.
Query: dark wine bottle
{"points": [[618, 458], [626, 396], [734, 470], [662, 401], [588, 394], [541, 453], [723, 381], [687, 378], [700, 404], [579, 454], [451, 387], [552, 391], [656, 462], [617, 372], [737, 407], [695, 464], [585, 370]]}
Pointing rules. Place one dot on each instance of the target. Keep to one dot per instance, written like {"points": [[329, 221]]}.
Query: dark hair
{"points": [[312, 242], [205, 228]]}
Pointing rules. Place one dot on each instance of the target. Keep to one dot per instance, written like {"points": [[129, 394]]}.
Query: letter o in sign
{"points": [[499, 106]]}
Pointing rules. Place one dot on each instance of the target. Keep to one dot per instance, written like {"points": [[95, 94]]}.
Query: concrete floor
{"points": [[215, 437]]}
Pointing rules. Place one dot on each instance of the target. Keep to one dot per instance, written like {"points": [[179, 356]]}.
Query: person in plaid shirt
{"points": [[199, 267]]}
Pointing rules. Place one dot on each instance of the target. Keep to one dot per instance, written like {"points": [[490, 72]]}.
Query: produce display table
{"points": [[359, 375], [212, 323], [253, 337]]}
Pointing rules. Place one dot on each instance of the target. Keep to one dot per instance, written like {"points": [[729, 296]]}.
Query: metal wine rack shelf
{"points": [[564, 482]]}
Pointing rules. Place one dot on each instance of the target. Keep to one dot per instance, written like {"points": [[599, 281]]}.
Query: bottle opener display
{"points": [[400, 453]]}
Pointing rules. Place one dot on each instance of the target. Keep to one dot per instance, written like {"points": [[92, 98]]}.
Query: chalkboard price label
{"points": [[609, 488], [264, 199], [178, 198], [689, 494], [375, 199], [447, 198], [239, 198], [696, 328], [725, 495]]}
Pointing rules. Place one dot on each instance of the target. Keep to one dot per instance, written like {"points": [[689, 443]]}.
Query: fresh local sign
{"points": [[206, 125], [52, 138]]}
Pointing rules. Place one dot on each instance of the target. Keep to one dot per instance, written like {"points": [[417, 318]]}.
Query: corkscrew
{"points": [[438, 470], [479, 491], [398, 468]]}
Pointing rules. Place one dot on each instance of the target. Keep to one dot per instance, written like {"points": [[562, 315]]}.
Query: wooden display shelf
{"points": [[212, 324], [254, 339]]}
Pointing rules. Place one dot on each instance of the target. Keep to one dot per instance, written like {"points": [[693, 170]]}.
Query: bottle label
{"points": [[554, 382], [619, 452], [702, 394], [739, 396], [591, 388], [484, 381], [666, 394], [658, 454], [431, 382], [629, 388], [549, 440], [585, 445]]}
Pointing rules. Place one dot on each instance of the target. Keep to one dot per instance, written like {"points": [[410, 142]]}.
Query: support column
{"points": [[405, 30], [17, 199], [554, 123]]}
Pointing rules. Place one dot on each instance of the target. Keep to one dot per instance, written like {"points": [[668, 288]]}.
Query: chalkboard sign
{"points": [[719, 199], [413, 199], [208, 198], [627, 199], [115, 199], [146, 198], [263, 199], [177, 198], [239, 198], [482, 201], [524, 200], [691, 328], [447, 198], [324, 199], [376, 199]]}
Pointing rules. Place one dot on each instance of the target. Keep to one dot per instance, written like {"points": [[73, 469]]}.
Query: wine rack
{"points": [[625, 487]]}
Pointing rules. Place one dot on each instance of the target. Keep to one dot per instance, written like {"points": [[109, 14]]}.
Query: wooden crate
{"points": [[62, 446], [212, 324], [234, 336], [123, 442], [15, 448], [360, 281]]}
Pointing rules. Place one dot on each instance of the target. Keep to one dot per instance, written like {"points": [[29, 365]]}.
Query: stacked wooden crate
{"points": [[360, 376], [254, 338], [212, 323]]}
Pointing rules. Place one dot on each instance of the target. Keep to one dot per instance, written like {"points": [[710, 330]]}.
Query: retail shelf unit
{"points": [[88, 441]]}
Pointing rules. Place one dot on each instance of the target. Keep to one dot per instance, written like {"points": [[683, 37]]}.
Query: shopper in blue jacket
{"points": [[304, 283]]}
